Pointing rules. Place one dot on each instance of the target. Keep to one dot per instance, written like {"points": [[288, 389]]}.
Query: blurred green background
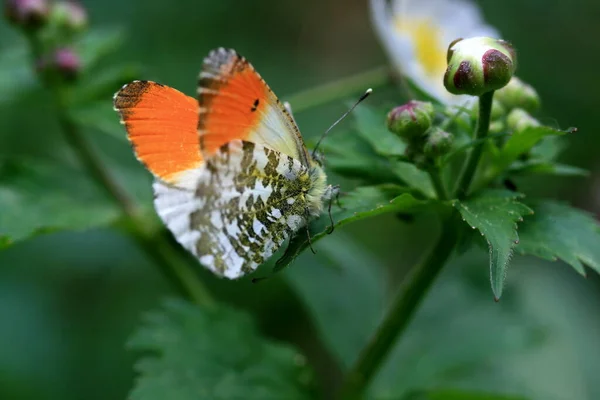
{"points": [[69, 301]]}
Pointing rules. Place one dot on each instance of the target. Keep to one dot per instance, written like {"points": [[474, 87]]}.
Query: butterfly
{"points": [[233, 177]]}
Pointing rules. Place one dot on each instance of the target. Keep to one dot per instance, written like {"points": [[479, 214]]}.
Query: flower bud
{"points": [[65, 62], [497, 126], [479, 65], [519, 120], [518, 94], [70, 14], [438, 143], [29, 14], [411, 120]]}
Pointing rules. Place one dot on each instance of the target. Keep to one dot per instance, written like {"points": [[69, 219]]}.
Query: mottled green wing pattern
{"points": [[249, 199]]}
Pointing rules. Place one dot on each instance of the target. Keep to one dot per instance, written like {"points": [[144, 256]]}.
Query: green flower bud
{"points": [[70, 15], [410, 120], [438, 143], [518, 94], [497, 126], [479, 65], [519, 119]]}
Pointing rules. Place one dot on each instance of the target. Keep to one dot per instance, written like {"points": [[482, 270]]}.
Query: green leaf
{"points": [[559, 231], [549, 148], [363, 202], [371, 125], [443, 345], [97, 44], [99, 116], [16, 75], [441, 394], [214, 354], [414, 177], [41, 197], [536, 167], [495, 213], [353, 157], [100, 86], [521, 143], [459, 338]]}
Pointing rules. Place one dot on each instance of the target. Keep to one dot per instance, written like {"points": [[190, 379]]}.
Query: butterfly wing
{"points": [[232, 169], [236, 103], [248, 200], [161, 124]]}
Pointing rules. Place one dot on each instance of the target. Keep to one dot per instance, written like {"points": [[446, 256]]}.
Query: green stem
{"points": [[438, 184], [94, 166], [483, 126], [341, 88], [155, 245], [173, 264], [411, 292]]}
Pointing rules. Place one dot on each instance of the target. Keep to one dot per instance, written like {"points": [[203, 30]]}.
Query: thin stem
{"points": [[483, 126], [438, 184], [411, 292], [154, 244], [174, 265], [341, 88], [94, 166]]}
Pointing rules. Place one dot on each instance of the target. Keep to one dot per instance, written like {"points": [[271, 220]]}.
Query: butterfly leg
{"points": [[309, 238], [332, 191]]}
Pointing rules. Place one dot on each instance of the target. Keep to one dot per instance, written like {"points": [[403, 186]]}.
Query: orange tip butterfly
{"points": [[233, 177]]}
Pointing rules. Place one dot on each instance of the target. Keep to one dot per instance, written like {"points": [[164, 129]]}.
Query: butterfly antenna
{"points": [[364, 96]]}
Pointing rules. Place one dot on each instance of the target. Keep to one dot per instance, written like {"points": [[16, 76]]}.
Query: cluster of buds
{"points": [[480, 65], [62, 19], [413, 123], [518, 94], [520, 100]]}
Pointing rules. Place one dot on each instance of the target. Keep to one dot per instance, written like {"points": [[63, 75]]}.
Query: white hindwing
{"points": [[249, 199]]}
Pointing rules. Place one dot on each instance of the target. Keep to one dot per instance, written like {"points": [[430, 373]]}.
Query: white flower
{"points": [[416, 35]]}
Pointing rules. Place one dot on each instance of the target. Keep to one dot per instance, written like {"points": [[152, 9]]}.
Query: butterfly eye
{"points": [[319, 158]]}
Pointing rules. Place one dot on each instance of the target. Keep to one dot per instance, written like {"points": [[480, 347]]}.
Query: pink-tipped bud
{"points": [[67, 62], [410, 120], [30, 14], [64, 62], [479, 65]]}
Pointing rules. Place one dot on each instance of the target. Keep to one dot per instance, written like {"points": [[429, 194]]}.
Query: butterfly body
{"points": [[234, 179]]}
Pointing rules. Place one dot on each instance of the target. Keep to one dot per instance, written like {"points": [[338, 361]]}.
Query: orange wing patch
{"points": [[236, 103], [231, 98], [161, 124]]}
